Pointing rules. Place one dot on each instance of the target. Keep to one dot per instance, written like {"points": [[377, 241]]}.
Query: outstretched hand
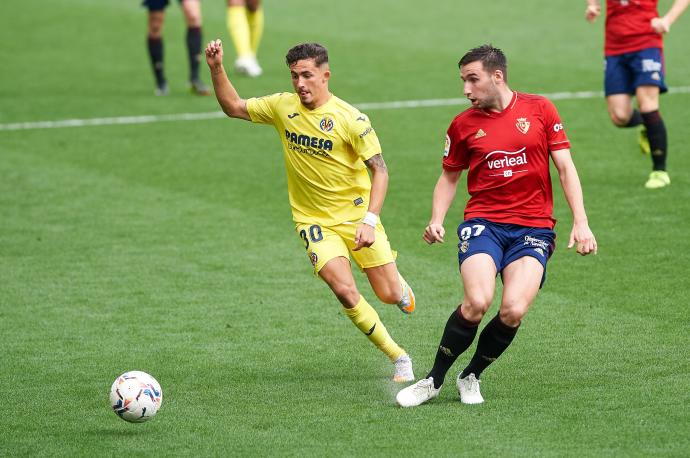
{"points": [[583, 236], [592, 12], [214, 53]]}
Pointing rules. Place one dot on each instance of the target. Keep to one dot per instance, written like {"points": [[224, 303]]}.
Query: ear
{"points": [[498, 76], [327, 75]]}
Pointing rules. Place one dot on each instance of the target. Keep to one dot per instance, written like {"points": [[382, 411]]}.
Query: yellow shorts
{"points": [[324, 243]]}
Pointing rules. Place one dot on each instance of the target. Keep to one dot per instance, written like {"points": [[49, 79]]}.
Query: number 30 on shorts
{"points": [[315, 235], [466, 232]]}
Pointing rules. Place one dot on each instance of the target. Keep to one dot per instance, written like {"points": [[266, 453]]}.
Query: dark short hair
{"points": [[491, 58], [307, 51]]}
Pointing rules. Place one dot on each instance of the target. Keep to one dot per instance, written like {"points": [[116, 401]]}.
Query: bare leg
{"points": [[479, 280], [521, 280], [620, 109], [338, 276], [385, 282]]}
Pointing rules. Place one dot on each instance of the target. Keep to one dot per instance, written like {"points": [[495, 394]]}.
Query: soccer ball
{"points": [[136, 396]]}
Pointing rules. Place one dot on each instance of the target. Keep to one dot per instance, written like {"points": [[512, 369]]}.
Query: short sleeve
{"points": [[262, 110], [363, 138], [455, 156], [555, 133]]}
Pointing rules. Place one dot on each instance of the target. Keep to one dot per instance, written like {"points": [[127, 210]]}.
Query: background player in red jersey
{"points": [[635, 66], [505, 140]]}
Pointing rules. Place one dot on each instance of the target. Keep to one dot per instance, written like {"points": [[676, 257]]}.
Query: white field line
{"points": [[147, 119]]}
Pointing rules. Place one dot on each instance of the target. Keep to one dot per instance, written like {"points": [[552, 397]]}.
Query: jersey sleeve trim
{"points": [[371, 152], [453, 168]]}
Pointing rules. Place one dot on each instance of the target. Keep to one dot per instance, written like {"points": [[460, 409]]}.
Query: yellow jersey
{"points": [[324, 151]]}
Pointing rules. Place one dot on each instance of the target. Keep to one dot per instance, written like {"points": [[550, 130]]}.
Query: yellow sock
{"points": [[256, 28], [238, 27], [367, 320]]}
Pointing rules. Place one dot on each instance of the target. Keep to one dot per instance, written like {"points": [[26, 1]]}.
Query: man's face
{"points": [[480, 86], [310, 82]]}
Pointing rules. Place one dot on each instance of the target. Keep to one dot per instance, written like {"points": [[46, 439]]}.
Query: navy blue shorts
{"points": [[626, 72], [505, 243], [156, 5]]}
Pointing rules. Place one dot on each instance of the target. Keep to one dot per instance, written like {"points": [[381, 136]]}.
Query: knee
{"points": [[512, 312], [193, 17], [155, 27], [347, 294], [473, 308], [619, 116]]}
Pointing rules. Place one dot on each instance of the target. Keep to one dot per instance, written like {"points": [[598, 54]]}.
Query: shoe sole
{"points": [[657, 187], [414, 405], [472, 403], [469, 402]]}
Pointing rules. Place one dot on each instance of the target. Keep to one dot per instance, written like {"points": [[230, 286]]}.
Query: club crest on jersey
{"points": [[522, 125], [326, 124], [464, 246]]}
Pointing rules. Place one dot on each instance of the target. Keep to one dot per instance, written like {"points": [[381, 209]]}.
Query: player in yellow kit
{"points": [[328, 147]]}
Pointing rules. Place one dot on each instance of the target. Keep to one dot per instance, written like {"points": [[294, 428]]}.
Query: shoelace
{"points": [[423, 386], [474, 384]]}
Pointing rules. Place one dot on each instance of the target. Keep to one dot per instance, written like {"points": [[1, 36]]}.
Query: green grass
{"points": [[169, 248]]}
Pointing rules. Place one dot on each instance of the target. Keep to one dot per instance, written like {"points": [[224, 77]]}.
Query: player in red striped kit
{"points": [[634, 56], [505, 141]]}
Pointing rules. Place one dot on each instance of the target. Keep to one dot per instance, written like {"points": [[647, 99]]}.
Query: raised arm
{"points": [[365, 235], [593, 10], [663, 24], [581, 233], [228, 98], [444, 193]]}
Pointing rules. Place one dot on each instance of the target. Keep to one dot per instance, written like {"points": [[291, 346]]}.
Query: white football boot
{"points": [[468, 388], [403, 369], [417, 393], [248, 65]]}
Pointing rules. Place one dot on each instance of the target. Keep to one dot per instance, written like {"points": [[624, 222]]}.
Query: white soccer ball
{"points": [[136, 396]]}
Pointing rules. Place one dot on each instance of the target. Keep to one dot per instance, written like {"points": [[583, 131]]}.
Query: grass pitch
{"points": [[168, 247]]}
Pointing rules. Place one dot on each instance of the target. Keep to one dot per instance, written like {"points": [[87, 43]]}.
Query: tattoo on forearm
{"points": [[376, 162]]}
